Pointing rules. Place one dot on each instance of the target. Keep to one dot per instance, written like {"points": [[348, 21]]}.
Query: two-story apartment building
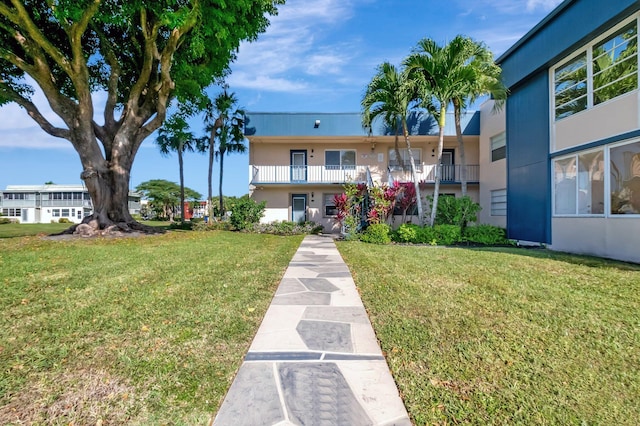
{"points": [[559, 165], [299, 161], [573, 130], [47, 203]]}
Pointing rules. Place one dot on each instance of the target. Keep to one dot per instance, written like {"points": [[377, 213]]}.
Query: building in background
{"points": [[299, 161], [50, 203]]}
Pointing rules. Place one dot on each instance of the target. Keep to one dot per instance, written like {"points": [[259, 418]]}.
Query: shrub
{"points": [[287, 228], [485, 234], [377, 233], [407, 233], [456, 211], [4, 220], [245, 212], [447, 234], [64, 220]]}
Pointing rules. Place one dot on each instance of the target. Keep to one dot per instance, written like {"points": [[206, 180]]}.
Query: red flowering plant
{"points": [[349, 207], [383, 199], [405, 197]]}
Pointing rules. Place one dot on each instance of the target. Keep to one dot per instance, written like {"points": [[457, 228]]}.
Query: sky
{"points": [[316, 56]]}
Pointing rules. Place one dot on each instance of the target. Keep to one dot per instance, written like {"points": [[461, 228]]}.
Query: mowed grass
{"points": [[505, 336], [11, 230], [145, 330]]}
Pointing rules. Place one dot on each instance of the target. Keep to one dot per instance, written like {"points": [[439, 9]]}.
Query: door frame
{"points": [[451, 172], [293, 172], [306, 205]]}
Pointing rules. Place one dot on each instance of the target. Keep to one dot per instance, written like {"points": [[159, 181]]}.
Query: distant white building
{"points": [[50, 203]]}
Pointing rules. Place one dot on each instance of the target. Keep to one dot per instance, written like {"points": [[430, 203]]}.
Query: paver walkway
{"points": [[315, 359]]}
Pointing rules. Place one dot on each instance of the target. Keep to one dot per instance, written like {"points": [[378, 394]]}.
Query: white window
{"points": [[579, 184], [329, 205], [340, 159], [12, 212], [404, 162], [55, 212], [499, 147], [625, 178], [499, 202], [65, 212], [603, 70]]}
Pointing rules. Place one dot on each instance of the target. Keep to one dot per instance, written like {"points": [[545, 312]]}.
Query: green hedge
{"points": [[449, 235]]}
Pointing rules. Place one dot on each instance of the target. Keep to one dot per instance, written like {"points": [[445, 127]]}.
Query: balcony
{"points": [[448, 173], [265, 175], [306, 174]]}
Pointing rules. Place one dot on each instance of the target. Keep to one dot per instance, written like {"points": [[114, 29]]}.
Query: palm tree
{"points": [[438, 74], [230, 139], [389, 95], [484, 79], [219, 113], [174, 135]]}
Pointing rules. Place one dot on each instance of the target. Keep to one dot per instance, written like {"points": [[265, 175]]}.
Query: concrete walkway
{"points": [[315, 359]]}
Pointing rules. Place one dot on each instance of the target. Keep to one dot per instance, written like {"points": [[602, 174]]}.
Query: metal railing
{"points": [[307, 174], [448, 173]]}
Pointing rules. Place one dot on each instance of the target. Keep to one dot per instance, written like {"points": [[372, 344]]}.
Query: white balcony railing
{"points": [[341, 175], [306, 174], [448, 173]]}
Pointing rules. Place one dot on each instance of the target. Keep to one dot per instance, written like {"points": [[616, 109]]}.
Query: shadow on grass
{"points": [[575, 259]]}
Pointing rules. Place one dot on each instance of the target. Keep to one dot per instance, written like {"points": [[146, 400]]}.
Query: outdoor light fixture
{"points": [[316, 124]]}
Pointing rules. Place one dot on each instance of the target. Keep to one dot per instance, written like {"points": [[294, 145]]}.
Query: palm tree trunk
{"points": [[210, 176], [463, 160], [414, 176], [220, 185], [436, 188], [396, 147], [181, 163]]}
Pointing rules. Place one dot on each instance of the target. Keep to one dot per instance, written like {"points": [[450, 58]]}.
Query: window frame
{"points": [[494, 203], [501, 149], [588, 50], [325, 203], [404, 152], [341, 166]]}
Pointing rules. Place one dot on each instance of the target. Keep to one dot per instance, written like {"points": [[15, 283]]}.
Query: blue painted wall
{"points": [[348, 124], [528, 165], [570, 25]]}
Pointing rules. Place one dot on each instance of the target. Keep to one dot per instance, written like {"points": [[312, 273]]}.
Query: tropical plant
{"points": [[174, 136], [141, 54], [221, 113], [439, 77], [245, 212], [390, 95], [483, 79], [164, 196]]}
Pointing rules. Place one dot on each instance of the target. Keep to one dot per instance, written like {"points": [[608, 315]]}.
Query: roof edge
{"points": [[555, 12]]}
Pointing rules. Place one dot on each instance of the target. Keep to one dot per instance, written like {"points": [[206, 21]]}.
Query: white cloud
{"points": [[292, 47]]}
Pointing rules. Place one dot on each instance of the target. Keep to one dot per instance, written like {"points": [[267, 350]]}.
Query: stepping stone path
{"points": [[315, 359]]}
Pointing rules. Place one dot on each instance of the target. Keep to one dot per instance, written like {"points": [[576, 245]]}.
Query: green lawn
{"points": [[505, 336], [145, 330], [10, 230]]}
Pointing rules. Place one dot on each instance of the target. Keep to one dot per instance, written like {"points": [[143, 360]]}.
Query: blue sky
{"points": [[317, 56]]}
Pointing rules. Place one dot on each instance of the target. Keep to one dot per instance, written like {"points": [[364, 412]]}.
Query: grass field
{"points": [[145, 330], [505, 336], [11, 230]]}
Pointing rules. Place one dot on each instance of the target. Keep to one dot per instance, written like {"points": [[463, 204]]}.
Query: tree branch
{"points": [[34, 113]]}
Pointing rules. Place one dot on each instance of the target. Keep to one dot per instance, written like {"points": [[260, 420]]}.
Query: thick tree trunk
{"points": [[463, 160], [108, 185]]}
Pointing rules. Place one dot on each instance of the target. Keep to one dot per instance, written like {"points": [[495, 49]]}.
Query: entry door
{"points": [[299, 166], [448, 166], [299, 208]]}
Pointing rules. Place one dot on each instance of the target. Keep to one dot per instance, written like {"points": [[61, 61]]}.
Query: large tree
{"points": [[389, 96], [138, 53], [164, 196]]}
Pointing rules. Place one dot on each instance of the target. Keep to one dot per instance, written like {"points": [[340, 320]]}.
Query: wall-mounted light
{"points": [[316, 124], [373, 146]]}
